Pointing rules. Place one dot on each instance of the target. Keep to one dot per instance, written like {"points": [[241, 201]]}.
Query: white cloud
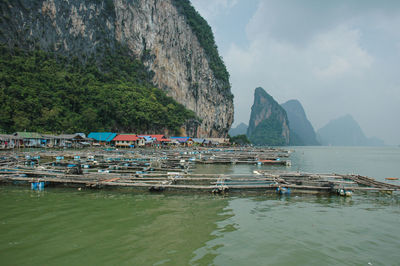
{"points": [[337, 66], [286, 70], [338, 53]]}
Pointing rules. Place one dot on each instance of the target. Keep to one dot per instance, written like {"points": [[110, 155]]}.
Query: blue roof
{"points": [[102, 136], [147, 138]]}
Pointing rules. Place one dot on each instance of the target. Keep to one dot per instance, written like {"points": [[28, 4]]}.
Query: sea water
{"points": [[118, 227]]}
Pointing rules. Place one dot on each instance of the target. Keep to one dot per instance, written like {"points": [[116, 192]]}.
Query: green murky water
{"points": [[118, 227]]}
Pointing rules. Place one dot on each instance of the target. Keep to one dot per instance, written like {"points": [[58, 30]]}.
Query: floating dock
{"points": [[180, 181], [170, 170]]}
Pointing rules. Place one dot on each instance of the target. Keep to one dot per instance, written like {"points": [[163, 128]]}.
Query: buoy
{"points": [[283, 190], [344, 192]]}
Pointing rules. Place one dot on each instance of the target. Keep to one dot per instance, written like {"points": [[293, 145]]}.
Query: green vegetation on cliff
{"points": [[45, 93], [268, 123], [268, 132], [205, 36]]}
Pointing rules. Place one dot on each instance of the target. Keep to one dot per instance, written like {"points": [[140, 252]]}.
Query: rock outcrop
{"points": [[241, 129], [157, 32], [345, 131], [301, 130], [268, 123]]}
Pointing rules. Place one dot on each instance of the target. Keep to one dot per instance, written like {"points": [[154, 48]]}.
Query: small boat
{"points": [[392, 178]]}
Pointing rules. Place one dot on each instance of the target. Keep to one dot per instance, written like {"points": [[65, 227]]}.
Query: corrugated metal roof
{"points": [[146, 137], [181, 139], [8, 137], [198, 140], [102, 136], [70, 136], [159, 137], [28, 135], [49, 136]]}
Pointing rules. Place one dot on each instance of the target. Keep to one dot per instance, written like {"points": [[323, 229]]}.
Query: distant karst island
{"points": [[287, 124]]}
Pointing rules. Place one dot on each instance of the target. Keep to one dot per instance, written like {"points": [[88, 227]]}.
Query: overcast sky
{"points": [[336, 57]]}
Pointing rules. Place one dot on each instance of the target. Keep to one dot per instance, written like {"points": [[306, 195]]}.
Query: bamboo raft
{"points": [[170, 170], [180, 181]]}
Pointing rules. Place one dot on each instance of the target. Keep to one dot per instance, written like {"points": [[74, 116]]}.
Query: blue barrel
{"points": [[37, 185]]}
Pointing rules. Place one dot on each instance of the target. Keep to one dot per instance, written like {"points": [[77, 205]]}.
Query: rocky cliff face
{"points": [[153, 31], [268, 123], [300, 126]]}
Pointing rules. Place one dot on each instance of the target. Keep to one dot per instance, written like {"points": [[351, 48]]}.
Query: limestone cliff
{"points": [[159, 32], [268, 123], [300, 127]]}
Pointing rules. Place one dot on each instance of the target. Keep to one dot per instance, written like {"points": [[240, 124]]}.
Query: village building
{"points": [[216, 141], [8, 141], [186, 141], [65, 140], [128, 141], [29, 139], [33, 139], [147, 140], [198, 141], [73, 140], [156, 140], [102, 138], [51, 140]]}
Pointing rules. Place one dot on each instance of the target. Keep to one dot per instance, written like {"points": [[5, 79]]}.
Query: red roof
{"points": [[126, 138]]}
